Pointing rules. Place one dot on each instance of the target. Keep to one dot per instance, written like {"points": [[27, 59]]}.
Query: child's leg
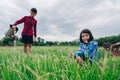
{"points": [[29, 48], [25, 48], [81, 59]]}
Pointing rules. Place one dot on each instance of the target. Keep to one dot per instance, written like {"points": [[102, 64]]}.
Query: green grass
{"points": [[53, 63]]}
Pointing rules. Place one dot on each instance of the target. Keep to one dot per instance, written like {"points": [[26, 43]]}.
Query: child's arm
{"points": [[19, 21], [35, 31], [81, 51]]}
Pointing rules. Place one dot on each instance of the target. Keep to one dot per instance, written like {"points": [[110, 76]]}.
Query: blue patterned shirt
{"points": [[89, 49]]}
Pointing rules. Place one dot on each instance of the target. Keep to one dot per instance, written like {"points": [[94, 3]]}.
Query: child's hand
{"points": [[71, 54], [14, 27], [34, 39]]}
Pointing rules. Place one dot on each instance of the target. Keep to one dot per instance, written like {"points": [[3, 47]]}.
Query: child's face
{"points": [[85, 37], [32, 14]]}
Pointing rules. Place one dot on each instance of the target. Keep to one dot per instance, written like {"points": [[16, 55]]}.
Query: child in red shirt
{"points": [[29, 29]]}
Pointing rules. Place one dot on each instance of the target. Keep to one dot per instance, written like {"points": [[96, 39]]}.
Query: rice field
{"points": [[54, 63]]}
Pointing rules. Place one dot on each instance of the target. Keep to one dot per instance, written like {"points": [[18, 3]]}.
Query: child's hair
{"points": [[86, 31], [34, 10]]}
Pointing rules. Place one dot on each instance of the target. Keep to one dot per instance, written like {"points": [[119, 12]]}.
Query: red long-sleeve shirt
{"points": [[29, 25]]}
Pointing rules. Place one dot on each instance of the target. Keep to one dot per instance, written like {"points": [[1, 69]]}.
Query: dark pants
{"points": [[27, 39]]}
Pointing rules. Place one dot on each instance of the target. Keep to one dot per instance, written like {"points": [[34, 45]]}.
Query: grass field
{"points": [[53, 63]]}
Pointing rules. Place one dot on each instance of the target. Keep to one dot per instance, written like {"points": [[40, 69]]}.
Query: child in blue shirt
{"points": [[88, 48]]}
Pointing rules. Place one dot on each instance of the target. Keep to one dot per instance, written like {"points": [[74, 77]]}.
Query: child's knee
{"points": [[29, 45], [78, 58], [25, 45]]}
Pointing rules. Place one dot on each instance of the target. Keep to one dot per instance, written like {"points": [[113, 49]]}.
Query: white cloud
{"points": [[63, 19]]}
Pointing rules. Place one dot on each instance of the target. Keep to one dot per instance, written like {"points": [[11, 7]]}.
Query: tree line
{"points": [[109, 39], [41, 42]]}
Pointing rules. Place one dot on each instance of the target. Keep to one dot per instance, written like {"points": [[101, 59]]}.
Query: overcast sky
{"points": [[62, 20]]}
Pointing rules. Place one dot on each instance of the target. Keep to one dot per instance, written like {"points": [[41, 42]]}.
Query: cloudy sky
{"points": [[62, 20]]}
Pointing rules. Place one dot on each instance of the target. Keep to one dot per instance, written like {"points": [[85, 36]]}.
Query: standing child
{"points": [[29, 29], [88, 48]]}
